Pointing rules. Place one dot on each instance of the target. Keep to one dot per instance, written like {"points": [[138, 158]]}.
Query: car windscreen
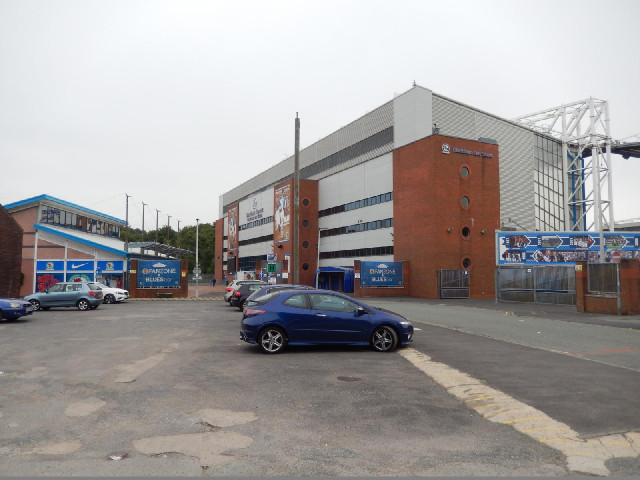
{"points": [[94, 286]]}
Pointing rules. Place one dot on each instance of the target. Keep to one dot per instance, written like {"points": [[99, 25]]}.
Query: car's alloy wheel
{"points": [[272, 340], [83, 304], [384, 339], [109, 298], [36, 305]]}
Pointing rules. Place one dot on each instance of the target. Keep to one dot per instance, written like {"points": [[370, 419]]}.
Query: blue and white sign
{"points": [[159, 274], [50, 266], [108, 266], [375, 274], [80, 265], [564, 248]]}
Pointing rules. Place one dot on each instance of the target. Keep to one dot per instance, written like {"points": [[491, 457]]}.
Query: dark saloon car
{"points": [[12, 308], [83, 295], [321, 317], [242, 292]]}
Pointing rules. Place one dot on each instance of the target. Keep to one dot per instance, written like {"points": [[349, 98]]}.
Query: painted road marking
{"points": [[585, 456]]}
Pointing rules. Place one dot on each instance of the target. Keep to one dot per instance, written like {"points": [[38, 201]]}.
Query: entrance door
{"points": [[454, 283]]}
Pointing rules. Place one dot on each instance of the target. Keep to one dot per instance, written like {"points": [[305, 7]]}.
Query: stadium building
{"points": [[423, 181]]}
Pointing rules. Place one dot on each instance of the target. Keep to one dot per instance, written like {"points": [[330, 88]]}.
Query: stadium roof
{"points": [[161, 248]]}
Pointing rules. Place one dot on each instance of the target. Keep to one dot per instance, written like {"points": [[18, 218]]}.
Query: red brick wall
{"points": [[10, 255], [429, 218], [308, 233]]}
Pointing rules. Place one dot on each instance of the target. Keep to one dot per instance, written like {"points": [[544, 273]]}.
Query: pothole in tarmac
{"points": [[349, 379]]}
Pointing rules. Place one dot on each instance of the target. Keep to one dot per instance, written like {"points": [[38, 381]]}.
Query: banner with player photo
{"points": [[564, 248], [282, 214]]}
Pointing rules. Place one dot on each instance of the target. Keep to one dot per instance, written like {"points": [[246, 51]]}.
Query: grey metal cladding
{"points": [[516, 146], [363, 139]]}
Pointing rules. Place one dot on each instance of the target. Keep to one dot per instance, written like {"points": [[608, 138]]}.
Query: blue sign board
{"points": [[80, 265], [109, 266], [159, 274], [564, 248], [377, 274], [50, 266]]}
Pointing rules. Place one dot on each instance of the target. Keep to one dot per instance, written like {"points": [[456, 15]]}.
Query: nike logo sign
{"points": [[74, 266]]}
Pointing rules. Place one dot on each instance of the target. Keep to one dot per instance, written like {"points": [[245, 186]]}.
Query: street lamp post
{"points": [[197, 269]]}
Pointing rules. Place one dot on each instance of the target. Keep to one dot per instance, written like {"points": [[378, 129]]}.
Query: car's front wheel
{"points": [[109, 298], [384, 339], [36, 305], [82, 304], [272, 340]]}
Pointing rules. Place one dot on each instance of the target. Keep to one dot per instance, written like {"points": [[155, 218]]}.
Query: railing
{"points": [[540, 284]]}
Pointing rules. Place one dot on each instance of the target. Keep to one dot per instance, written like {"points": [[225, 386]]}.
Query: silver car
{"points": [[83, 295]]}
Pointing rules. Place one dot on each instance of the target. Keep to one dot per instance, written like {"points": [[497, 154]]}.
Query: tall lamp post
{"points": [[197, 269]]}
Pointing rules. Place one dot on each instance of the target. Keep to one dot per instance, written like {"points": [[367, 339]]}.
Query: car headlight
{"points": [[406, 324], [14, 305]]}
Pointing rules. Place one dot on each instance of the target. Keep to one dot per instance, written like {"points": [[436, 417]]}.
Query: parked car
{"points": [[314, 317], [113, 295], [264, 289], [244, 291], [83, 295], [12, 308], [235, 284]]}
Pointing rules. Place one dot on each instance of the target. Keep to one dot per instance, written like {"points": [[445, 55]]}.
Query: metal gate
{"points": [[453, 283], [537, 284]]}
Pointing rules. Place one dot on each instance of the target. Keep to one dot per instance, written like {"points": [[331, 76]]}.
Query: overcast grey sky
{"points": [[177, 102]]}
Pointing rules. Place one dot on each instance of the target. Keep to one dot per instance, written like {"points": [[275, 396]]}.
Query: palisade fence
{"points": [[537, 284]]}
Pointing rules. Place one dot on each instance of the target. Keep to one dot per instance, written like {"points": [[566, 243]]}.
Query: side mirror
{"points": [[361, 311]]}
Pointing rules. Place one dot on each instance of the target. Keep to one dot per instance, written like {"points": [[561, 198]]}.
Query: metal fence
{"points": [[539, 284]]}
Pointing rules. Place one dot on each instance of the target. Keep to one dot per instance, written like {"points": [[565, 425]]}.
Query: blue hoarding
{"points": [[564, 248], [80, 265], [376, 274], [50, 265], [159, 274], [108, 266]]}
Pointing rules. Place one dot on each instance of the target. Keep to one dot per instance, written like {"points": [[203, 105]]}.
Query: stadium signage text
{"points": [[373, 274], [447, 149]]}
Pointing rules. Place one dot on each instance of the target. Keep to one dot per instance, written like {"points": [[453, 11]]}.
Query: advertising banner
{"points": [[159, 274], [232, 228], [375, 274], [80, 266], [45, 280], [80, 277], [564, 248], [282, 215], [110, 266], [50, 266]]}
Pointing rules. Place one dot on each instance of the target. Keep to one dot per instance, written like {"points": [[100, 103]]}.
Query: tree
{"points": [[186, 239]]}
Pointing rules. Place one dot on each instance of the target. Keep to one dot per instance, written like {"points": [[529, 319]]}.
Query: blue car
{"points": [[12, 308], [320, 317]]}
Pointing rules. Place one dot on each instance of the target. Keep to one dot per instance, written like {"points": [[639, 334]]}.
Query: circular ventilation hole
{"points": [[466, 231]]}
